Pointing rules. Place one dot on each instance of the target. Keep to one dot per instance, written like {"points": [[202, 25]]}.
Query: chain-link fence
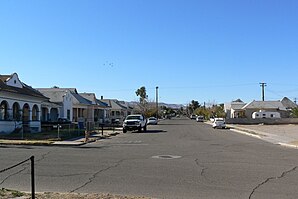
{"points": [[66, 131]]}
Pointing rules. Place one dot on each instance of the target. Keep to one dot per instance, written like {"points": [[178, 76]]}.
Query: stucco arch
{"points": [[16, 111], [26, 113], [4, 107], [35, 113]]}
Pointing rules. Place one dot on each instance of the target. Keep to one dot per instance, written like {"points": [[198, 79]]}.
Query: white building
{"points": [[74, 106], [20, 106], [61, 105]]}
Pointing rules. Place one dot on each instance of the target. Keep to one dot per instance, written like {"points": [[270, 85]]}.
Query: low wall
{"points": [[7, 127], [262, 121]]}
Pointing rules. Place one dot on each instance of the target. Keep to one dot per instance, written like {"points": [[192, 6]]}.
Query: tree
{"points": [[141, 92], [294, 112], [143, 95], [213, 111], [193, 106]]}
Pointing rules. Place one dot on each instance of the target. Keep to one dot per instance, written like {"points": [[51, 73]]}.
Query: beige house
{"points": [[118, 109]]}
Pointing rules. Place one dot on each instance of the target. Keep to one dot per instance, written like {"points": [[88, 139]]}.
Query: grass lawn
{"points": [[64, 134]]}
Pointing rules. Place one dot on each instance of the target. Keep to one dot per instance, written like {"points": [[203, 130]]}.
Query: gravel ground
{"points": [[11, 194], [286, 129]]}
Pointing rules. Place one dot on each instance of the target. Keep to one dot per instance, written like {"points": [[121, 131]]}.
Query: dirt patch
{"points": [[294, 143], [10, 194]]}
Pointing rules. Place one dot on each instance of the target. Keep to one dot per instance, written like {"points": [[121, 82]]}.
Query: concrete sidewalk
{"points": [[285, 135]]}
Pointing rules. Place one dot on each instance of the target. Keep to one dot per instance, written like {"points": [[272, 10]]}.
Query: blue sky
{"points": [[212, 51]]}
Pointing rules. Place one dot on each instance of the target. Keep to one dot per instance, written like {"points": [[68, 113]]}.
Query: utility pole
{"points": [[263, 90], [156, 102]]}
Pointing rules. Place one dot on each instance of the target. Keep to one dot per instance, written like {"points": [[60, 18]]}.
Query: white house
{"points": [[61, 105], [234, 109], [77, 107], [265, 114], [20, 106], [265, 106], [260, 109]]}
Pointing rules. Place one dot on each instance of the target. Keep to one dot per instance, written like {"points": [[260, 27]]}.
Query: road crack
{"points": [[95, 174], [43, 156], [271, 178], [25, 166], [13, 174], [203, 169]]}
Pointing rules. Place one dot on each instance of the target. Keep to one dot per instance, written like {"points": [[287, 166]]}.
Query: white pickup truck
{"points": [[134, 122]]}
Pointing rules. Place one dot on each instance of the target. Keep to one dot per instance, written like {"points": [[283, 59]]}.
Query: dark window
{"points": [[16, 112], [4, 110], [35, 113], [68, 114]]}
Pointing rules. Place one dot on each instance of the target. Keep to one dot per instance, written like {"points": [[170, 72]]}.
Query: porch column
{"points": [[10, 113]]}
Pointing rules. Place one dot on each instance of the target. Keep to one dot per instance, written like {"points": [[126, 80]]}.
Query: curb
{"points": [[64, 143], [27, 143], [288, 145], [56, 143], [245, 133]]}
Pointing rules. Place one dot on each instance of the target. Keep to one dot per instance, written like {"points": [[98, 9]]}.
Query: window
{"points": [[35, 113], [68, 114], [4, 110]]}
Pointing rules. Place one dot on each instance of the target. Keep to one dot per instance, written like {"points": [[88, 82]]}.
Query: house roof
{"points": [[288, 103], [237, 105], [25, 90], [264, 105], [113, 103], [101, 103], [81, 99], [55, 94], [4, 78], [92, 97]]}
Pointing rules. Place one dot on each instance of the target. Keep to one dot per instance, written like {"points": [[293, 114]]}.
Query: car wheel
{"points": [[140, 129]]}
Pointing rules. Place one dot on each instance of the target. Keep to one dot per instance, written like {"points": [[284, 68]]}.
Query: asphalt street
{"points": [[179, 158]]}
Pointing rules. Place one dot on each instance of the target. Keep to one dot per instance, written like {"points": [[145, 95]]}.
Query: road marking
{"points": [[166, 157], [137, 142]]}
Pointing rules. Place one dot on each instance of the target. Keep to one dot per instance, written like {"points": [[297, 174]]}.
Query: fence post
{"points": [[32, 178]]}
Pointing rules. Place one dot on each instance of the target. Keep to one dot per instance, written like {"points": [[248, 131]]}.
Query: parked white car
{"points": [[152, 120], [200, 118], [192, 117], [219, 123], [135, 122]]}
